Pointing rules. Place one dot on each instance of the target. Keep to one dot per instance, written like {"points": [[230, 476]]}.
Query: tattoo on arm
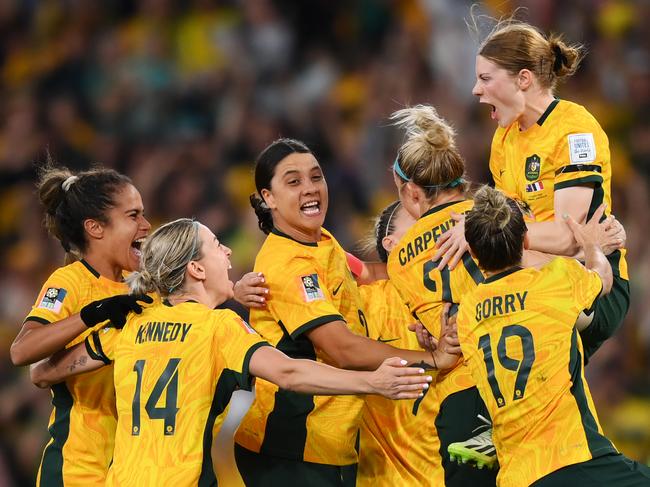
{"points": [[81, 361]]}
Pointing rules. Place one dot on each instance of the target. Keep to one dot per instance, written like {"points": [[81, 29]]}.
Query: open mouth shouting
{"points": [[311, 208], [136, 247]]}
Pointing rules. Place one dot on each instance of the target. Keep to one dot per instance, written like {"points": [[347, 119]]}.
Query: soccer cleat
{"points": [[478, 450]]}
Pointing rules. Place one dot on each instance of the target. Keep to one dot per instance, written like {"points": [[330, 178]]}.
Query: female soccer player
{"points": [[428, 172], [518, 337], [315, 312], [178, 363], [98, 215], [397, 445], [551, 154]]}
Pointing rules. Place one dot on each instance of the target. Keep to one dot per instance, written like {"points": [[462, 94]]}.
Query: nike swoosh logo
{"points": [[337, 289], [386, 340]]}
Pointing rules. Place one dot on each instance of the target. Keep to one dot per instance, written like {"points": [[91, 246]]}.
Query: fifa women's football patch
{"points": [[53, 299], [311, 288], [582, 148]]}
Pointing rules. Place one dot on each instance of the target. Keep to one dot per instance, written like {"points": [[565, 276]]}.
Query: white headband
{"points": [[69, 182]]}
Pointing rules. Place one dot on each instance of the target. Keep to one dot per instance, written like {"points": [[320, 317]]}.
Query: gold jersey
{"points": [[397, 444], [565, 148], [425, 289], [517, 334], [176, 368], [83, 419], [309, 285]]}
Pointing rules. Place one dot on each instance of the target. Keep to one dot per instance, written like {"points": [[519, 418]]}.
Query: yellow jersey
{"points": [[566, 147], [176, 368], [517, 334], [83, 419], [425, 289], [397, 444], [309, 285]]}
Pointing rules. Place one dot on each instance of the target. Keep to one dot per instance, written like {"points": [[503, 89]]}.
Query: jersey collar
{"points": [[548, 111], [90, 268], [507, 272], [277, 232], [433, 210]]}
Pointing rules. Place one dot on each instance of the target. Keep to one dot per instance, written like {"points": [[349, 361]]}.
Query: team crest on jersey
{"points": [[53, 299], [533, 167], [311, 289]]}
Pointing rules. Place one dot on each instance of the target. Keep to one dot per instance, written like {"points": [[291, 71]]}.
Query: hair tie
{"points": [[451, 184], [560, 58], [68, 182]]}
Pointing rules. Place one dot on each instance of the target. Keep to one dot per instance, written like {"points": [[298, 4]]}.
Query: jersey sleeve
{"points": [[581, 154], [300, 299], [100, 345], [237, 341], [58, 299], [586, 284]]}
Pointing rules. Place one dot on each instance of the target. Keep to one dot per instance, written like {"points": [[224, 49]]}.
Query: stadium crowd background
{"points": [[181, 96]]}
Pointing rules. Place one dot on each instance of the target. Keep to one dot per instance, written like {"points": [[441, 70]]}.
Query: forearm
{"points": [[310, 377], [36, 341], [553, 237], [366, 354], [596, 261], [62, 365]]}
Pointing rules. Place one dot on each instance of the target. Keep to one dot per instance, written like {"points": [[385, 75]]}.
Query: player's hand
{"points": [[452, 244], [396, 381], [251, 290], [425, 339], [613, 236], [448, 352], [115, 309], [590, 233]]}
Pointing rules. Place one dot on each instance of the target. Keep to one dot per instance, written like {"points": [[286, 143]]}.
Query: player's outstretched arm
{"points": [[63, 364], [392, 379]]}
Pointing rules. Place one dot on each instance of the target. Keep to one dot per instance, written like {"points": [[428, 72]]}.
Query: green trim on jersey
{"points": [[286, 425], [315, 323], [598, 180], [52, 466], [597, 443]]}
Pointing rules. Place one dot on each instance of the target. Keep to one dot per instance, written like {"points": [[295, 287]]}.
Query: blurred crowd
{"points": [[181, 96]]}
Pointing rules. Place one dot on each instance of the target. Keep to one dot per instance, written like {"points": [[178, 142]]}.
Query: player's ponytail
{"points": [[495, 230], [165, 255], [264, 217], [566, 58], [265, 165], [69, 199], [514, 45], [428, 157]]}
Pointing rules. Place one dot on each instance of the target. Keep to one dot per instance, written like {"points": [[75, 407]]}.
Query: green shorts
{"points": [[609, 312], [607, 471], [260, 470], [456, 421]]}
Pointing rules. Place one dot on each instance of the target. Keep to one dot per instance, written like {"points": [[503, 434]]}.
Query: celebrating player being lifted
{"points": [[177, 364], [549, 153]]}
